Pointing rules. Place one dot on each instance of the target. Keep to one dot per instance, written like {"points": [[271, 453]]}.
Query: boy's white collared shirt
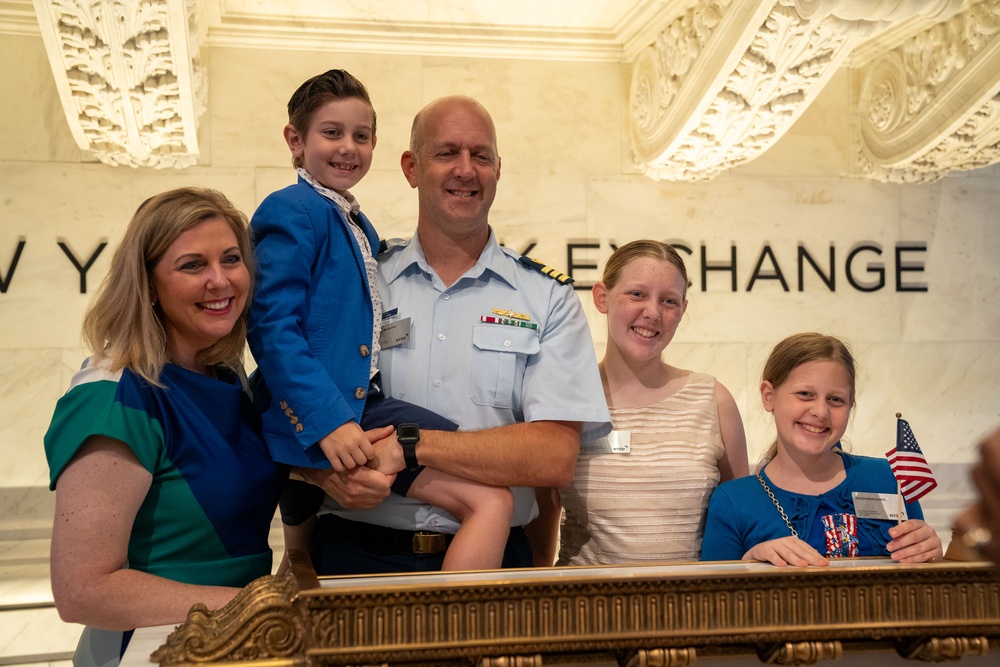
{"points": [[348, 205]]}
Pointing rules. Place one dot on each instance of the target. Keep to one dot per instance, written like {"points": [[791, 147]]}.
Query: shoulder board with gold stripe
{"points": [[386, 245], [547, 270]]}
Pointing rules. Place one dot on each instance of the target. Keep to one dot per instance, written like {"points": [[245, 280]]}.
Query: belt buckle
{"points": [[429, 543]]}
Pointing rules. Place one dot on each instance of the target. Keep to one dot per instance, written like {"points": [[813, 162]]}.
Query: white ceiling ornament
{"points": [[876, 10], [932, 105], [725, 80], [128, 76]]}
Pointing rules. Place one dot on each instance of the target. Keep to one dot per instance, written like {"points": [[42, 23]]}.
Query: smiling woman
{"points": [[201, 286], [145, 524]]}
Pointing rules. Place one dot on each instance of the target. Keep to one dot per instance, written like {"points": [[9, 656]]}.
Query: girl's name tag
{"points": [[885, 506], [616, 442]]}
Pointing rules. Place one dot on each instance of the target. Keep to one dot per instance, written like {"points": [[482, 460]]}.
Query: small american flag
{"points": [[909, 465]]}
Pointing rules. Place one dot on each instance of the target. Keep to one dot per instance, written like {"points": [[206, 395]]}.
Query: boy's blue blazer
{"points": [[310, 327]]}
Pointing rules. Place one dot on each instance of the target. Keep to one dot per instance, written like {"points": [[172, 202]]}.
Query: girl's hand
{"points": [[786, 551], [914, 541]]}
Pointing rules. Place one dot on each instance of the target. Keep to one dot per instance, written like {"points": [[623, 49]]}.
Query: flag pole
{"points": [[899, 485]]}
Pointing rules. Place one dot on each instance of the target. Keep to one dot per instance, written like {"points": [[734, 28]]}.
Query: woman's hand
{"points": [[977, 529], [971, 537], [786, 551], [914, 541]]}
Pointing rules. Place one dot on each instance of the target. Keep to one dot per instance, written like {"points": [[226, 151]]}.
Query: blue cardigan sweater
{"points": [[741, 516]]}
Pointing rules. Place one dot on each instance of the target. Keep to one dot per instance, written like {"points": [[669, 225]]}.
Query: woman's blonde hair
{"points": [[123, 326], [800, 349], [642, 248]]}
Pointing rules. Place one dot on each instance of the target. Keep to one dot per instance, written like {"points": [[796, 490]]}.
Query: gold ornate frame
{"points": [[656, 615]]}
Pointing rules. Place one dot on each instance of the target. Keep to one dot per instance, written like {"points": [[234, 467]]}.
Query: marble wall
{"points": [[567, 179]]}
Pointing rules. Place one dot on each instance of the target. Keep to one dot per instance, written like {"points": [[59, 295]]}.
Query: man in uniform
{"points": [[491, 340]]}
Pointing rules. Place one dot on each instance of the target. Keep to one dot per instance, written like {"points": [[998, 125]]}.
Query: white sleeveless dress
{"points": [[649, 504]]}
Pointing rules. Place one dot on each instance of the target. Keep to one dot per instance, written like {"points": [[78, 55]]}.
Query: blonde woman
{"points": [[164, 488]]}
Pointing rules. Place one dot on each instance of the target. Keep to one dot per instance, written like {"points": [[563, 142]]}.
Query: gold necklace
{"points": [[774, 500], [210, 370]]}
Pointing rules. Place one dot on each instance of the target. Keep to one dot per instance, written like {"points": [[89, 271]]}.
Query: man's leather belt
{"points": [[334, 529], [425, 542]]}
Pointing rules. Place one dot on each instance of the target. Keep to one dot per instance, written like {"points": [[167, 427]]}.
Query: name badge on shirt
{"points": [[394, 333], [884, 506], [616, 442]]}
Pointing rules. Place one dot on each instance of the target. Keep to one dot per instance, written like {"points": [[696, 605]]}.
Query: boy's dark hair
{"points": [[334, 84]]}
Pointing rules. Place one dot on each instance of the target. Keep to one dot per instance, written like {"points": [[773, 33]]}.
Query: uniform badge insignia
{"points": [[511, 313], [546, 270]]}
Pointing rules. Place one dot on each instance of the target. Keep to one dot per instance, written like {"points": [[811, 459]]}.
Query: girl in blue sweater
{"points": [[811, 500]]}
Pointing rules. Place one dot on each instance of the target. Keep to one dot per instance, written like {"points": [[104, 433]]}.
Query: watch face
{"points": [[408, 432]]}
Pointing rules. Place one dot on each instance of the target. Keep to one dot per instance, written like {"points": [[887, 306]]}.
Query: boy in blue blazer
{"points": [[316, 329]]}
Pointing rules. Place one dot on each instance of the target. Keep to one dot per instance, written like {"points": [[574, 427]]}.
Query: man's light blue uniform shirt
{"points": [[483, 375]]}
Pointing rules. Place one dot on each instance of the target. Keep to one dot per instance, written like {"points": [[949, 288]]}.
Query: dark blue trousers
{"points": [[343, 547]]}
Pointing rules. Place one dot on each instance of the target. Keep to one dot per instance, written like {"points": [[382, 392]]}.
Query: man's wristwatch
{"points": [[408, 436]]}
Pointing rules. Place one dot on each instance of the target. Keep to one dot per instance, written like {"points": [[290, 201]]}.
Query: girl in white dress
{"points": [[640, 494]]}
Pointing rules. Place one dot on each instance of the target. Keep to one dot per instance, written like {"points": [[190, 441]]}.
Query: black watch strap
{"points": [[410, 455], [408, 436]]}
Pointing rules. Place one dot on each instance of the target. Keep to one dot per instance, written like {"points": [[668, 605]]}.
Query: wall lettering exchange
{"points": [[713, 269], [710, 268]]}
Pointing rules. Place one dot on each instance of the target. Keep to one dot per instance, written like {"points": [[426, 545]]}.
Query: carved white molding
{"points": [[17, 17], [932, 105], [726, 79], [876, 10], [128, 76]]}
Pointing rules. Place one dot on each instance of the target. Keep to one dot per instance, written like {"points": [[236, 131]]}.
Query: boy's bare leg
{"points": [[484, 512], [543, 532]]}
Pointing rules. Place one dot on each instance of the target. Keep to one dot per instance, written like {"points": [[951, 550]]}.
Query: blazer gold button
{"points": [[293, 420], [283, 405], [288, 412], [360, 393], [364, 350], [299, 428]]}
